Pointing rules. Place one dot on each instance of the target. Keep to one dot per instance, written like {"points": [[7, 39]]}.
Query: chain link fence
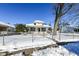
{"points": [[13, 38]]}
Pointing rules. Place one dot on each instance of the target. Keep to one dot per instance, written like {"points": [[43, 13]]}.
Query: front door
{"points": [[38, 29]]}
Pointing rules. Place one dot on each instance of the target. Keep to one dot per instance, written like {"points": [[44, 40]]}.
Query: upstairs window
{"points": [[34, 23]]}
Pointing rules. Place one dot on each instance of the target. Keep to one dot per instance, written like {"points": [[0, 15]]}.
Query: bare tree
{"points": [[60, 10]]}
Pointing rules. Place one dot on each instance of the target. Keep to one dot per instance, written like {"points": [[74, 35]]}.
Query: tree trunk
{"points": [[56, 26]]}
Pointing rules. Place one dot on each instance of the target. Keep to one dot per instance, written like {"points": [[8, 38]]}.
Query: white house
{"points": [[6, 28], [38, 26]]}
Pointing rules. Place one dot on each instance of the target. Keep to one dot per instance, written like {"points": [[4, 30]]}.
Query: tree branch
{"points": [[70, 6]]}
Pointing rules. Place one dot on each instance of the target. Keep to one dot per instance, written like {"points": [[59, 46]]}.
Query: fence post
{"points": [[73, 35], [52, 35], [59, 34], [43, 34], [3, 40], [32, 37]]}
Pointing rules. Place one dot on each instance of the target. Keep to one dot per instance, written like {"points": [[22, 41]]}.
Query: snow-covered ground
{"points": [[66, 37], [23, 41], [53, 51], [28, 41], [69, 37], [20, 41]]}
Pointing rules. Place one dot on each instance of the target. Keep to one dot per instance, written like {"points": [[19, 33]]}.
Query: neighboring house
{"points": [[38, 26], [6, 28], [67, 29], [76, 29]]}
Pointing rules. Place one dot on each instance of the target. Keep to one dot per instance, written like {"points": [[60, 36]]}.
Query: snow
{"points": [[46, 26], [66, 37], [38, 21], [5, 24], [54, 51], [69, 37], [27, 41], [23, 41], [30, 25]]}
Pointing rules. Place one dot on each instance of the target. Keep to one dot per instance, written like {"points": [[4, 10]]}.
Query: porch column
{"points": [[35, 29], [29, 29], [40, 29], [46, 29]]}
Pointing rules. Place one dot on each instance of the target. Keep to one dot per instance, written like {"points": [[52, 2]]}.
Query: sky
{"points": [[26, 13]]}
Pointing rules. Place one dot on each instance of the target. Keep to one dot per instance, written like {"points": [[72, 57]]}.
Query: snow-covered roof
{"points": [[38, 21], [30, 25], [46, 26], [5, 24]]}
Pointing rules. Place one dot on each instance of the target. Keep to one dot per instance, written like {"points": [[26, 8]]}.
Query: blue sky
{"points": [[26, 13]]}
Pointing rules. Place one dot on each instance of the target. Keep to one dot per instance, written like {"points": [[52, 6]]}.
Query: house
{"points": [[38, 26], [67, 29], [6, 28]]}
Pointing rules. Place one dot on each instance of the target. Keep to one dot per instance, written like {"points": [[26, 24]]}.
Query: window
{"points": [[32, 29], [34, 23], [50, 29], [43, 29]]}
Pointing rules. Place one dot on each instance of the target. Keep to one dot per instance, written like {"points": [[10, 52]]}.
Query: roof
{"points": [[38, 21], [32, 25], [46, 26], [5, 24]]}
